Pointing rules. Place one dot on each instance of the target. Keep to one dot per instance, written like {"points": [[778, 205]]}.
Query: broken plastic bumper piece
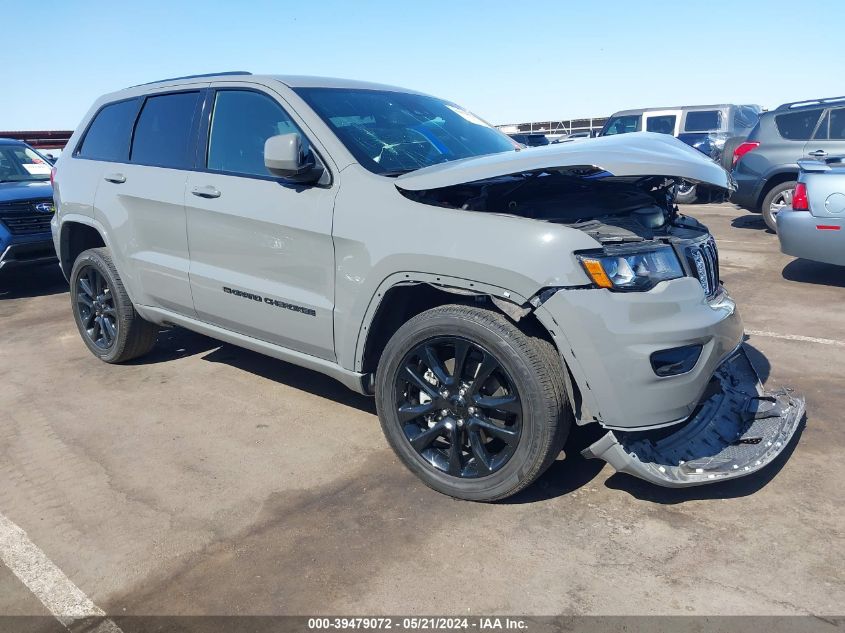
{"points": [[736, 430]]}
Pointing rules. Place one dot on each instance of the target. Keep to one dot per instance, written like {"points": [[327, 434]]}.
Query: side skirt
{"points": [[356, 381]]}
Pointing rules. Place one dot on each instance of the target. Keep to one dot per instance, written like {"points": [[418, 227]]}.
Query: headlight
{"points": [[631, 269]]}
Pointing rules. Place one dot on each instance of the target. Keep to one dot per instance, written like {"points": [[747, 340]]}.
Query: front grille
{"points": [[21, 218], [703, 259]]}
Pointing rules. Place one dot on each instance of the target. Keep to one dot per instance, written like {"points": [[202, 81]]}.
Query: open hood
{"points": [[635, 154]]}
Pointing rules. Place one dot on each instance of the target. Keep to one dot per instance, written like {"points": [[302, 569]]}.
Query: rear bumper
{"points": [[747, 191], [800, 236], [736, 430], [28, 253]]}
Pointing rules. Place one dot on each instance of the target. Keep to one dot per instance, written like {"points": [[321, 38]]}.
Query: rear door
{"points": [[141, 201], [829, 137], [262, 256], [662, 121]]}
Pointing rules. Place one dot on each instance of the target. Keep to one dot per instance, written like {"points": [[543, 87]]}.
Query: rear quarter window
{"points": [[164, 130], [797, 126], [108, 135], [703, 121]]}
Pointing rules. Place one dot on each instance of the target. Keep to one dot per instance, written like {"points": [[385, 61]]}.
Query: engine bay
{"points": [[609, 209]]}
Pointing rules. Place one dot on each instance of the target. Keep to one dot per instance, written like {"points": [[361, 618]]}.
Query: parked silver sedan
{"points": [[814, 228]]}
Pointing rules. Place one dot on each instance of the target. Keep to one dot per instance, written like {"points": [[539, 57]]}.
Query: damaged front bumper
{"points": [[736, 430]]}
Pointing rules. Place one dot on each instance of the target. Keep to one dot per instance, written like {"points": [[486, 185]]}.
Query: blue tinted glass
{"points": [[108, 136], [395, 132], [163, 132], [241, 122]]}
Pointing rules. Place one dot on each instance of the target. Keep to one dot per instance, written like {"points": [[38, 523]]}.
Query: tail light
{"points": [[799, 198], [52, 175], [743, 149]]}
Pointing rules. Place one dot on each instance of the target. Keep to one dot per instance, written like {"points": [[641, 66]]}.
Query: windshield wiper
{"points": [[397, 172]]}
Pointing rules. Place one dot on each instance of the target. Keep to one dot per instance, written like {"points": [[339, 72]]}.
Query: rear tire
{"points": [[107, 321], [780, 197], [444, 422]]}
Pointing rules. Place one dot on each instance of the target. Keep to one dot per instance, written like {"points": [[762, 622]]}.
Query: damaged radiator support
{"points": [[736, 430]]}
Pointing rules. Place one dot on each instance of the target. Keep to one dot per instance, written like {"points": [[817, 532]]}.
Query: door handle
{"points": [[206, 192], [819, 153], [117, 179]]}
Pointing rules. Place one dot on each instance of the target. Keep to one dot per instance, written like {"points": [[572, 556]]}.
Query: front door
{"points": [[262, 257]]}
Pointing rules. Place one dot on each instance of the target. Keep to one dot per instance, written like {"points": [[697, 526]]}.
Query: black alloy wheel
{"points": [[96, 309], [458, 407]]}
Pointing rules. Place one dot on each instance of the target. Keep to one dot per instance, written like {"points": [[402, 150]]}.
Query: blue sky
{"points": [[506, 61]]}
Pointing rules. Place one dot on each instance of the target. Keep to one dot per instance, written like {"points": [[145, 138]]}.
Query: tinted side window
{"points": [[745, 117], [664, 124], [108, 135], [240, 123], [821, 132], [837, 124], [163, 133], [703, 121], [622, 124], [797, 126]]}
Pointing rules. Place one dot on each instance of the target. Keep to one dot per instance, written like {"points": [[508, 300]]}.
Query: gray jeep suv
{"points": [[487, 296]]}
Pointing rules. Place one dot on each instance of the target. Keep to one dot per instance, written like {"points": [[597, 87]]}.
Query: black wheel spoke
{"points": [[506, 404], [420, 382], [508, 436], [482, 457], [85, 287], [95, 308], [436, 365], [487, 366], [109, 329], [455, 451], [456, 426], [424, 440], [408, 412], [462, 348]]}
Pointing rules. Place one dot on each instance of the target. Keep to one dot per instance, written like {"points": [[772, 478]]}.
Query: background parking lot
{"points": [[207, 479]]}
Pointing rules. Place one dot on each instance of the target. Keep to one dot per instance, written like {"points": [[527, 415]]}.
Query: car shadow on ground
{"points": [[290, 375], [35, 281], [750, 221], [174, 343], [809, 272]]}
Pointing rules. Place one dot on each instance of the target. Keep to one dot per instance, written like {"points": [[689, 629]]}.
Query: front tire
{"points": [[104, 314], [779, 198], [472, 405]]}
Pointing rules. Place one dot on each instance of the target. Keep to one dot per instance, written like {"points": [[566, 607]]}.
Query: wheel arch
{"points": [[77, 235], [405, 295], [775, 179]]}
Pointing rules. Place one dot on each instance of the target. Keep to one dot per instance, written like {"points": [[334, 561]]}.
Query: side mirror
{"points": [[284, 156]]}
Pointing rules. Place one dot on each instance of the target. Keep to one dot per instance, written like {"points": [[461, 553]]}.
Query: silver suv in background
{"points": [[707, 128], [813, 226], [488, 297]]}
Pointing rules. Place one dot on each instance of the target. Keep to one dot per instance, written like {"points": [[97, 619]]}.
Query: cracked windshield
{"points": [[392, 133]]}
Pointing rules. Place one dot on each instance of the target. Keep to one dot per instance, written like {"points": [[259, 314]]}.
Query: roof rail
{"points": [[810, 102], [227, 72]]}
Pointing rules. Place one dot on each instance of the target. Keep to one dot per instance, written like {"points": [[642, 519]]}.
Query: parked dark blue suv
{"points": [[26, 206]]}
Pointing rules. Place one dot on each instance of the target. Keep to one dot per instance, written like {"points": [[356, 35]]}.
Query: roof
{"points": [[307, 81], [291, 81], [687, 108]]}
